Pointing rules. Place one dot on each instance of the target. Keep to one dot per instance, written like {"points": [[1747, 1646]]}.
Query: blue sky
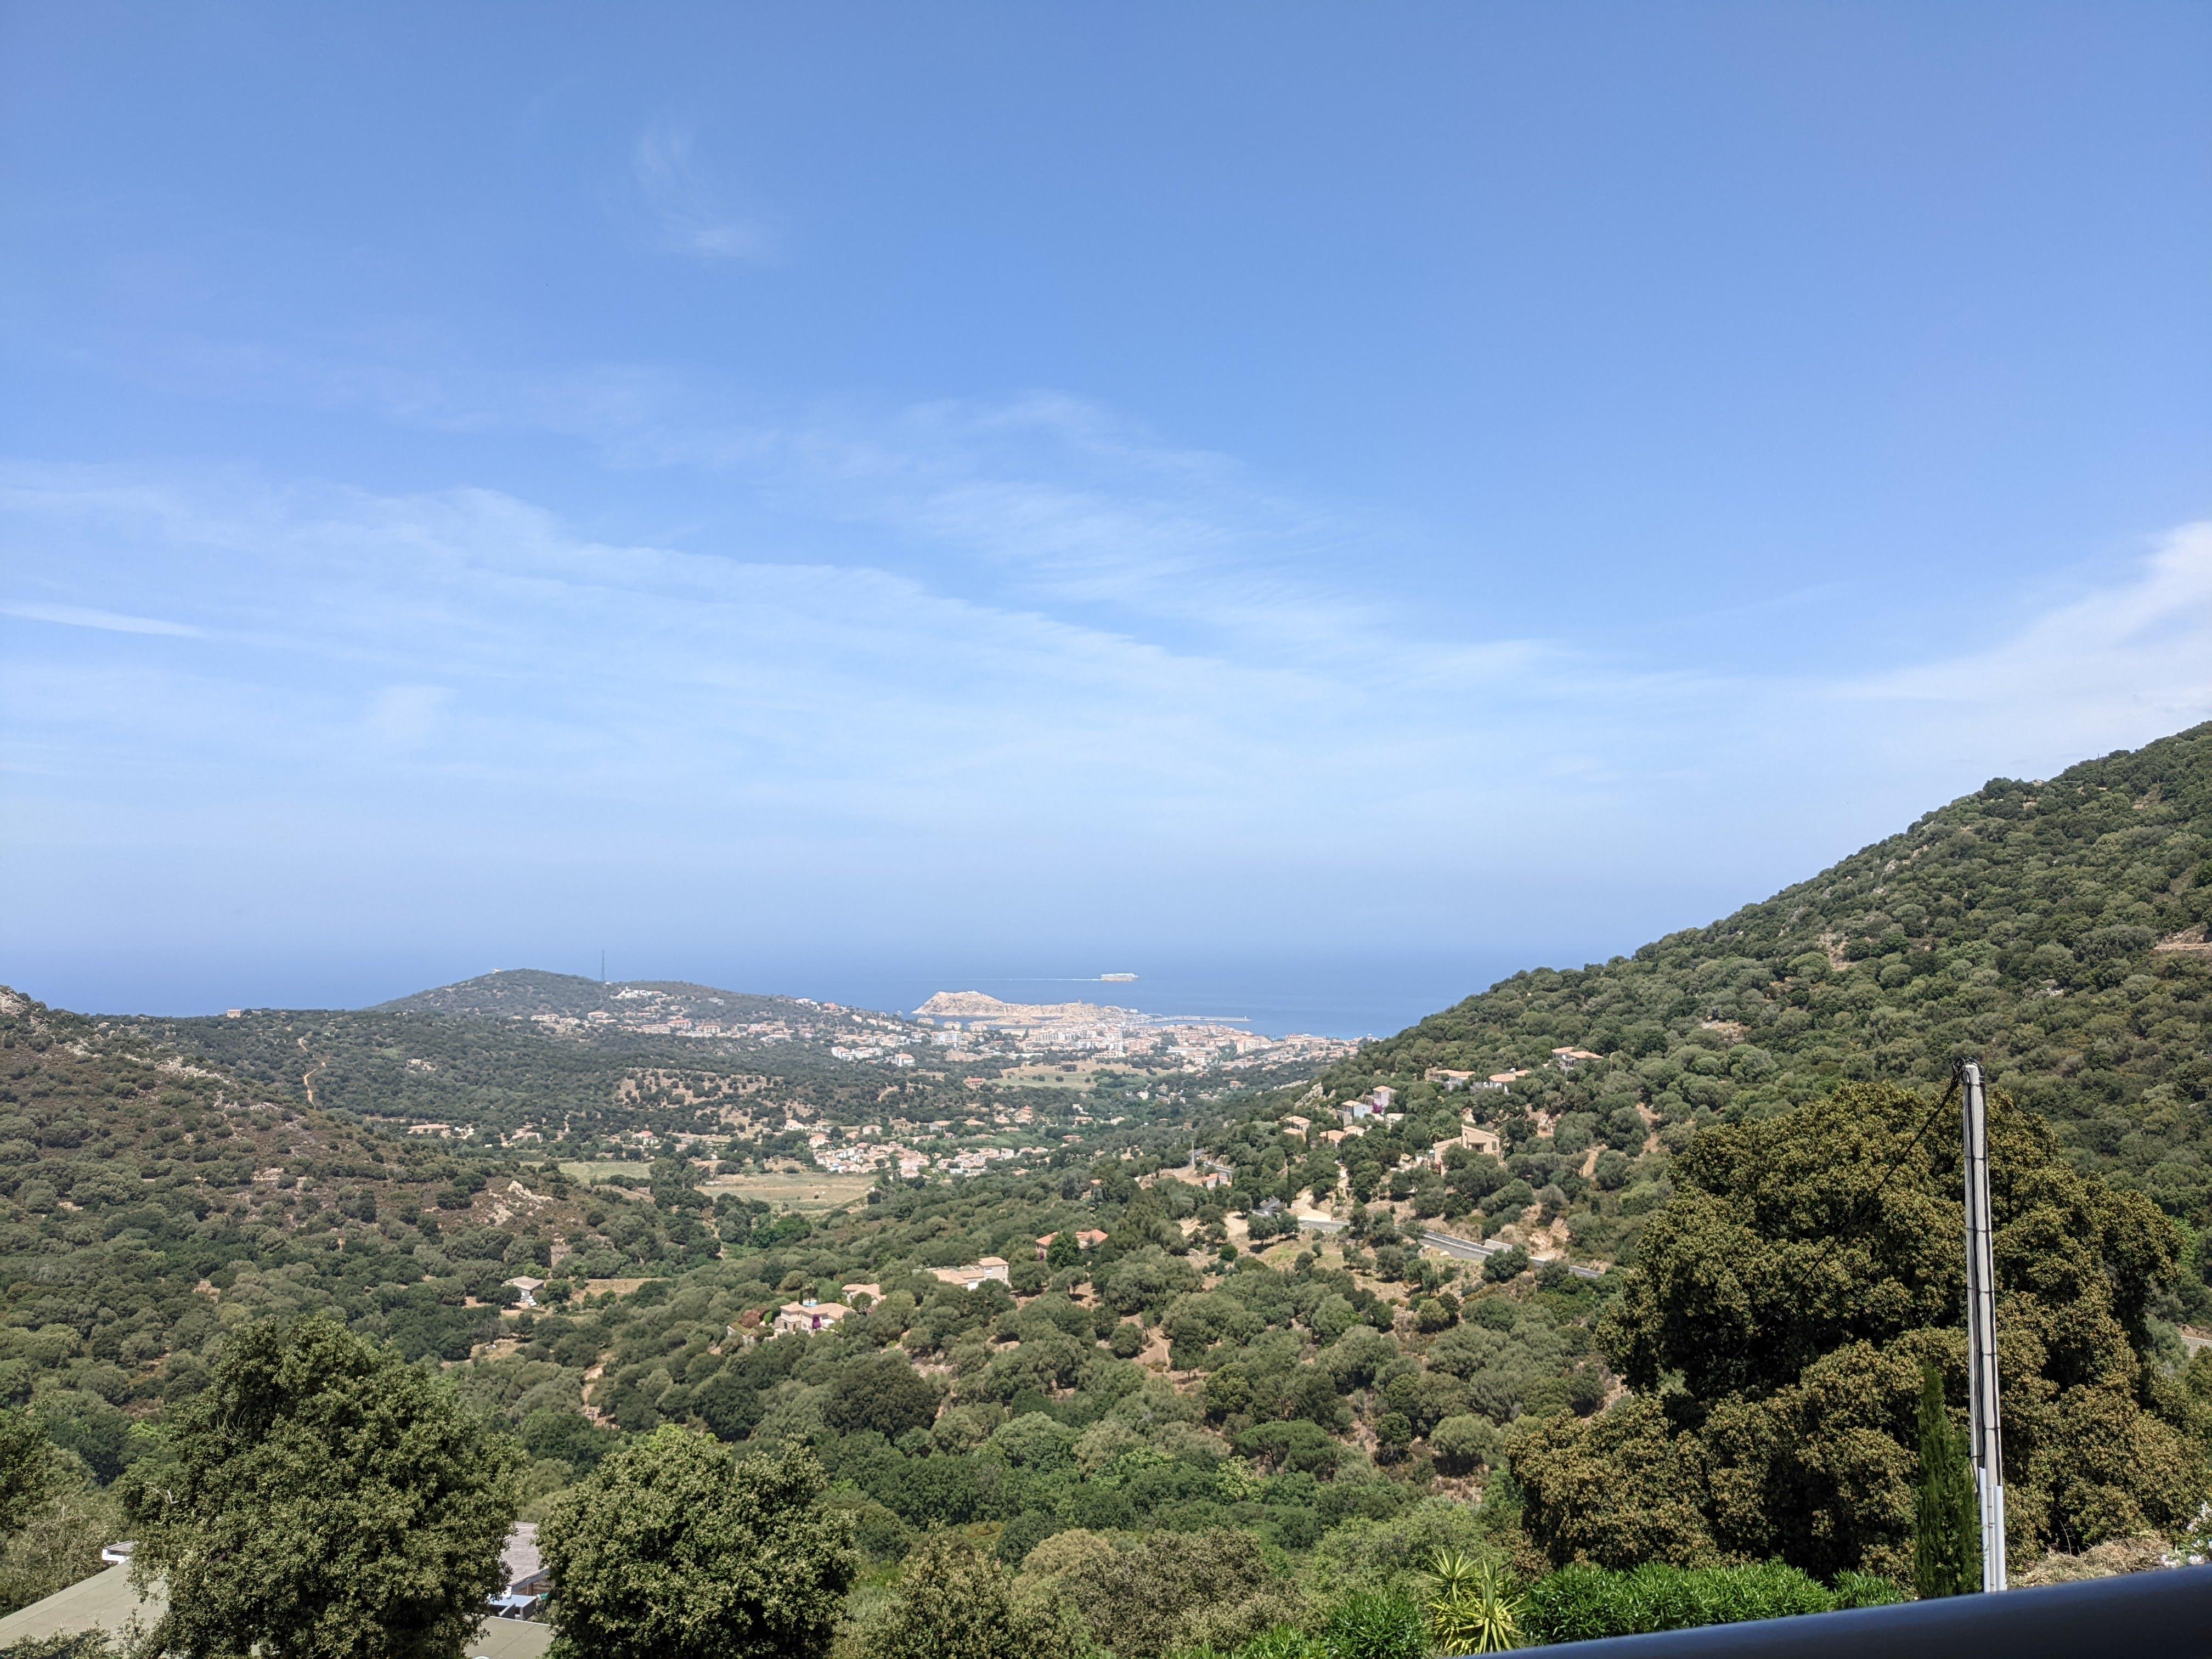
{"points": [[792, 493]]}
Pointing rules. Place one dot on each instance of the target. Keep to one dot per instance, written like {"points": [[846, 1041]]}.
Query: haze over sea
{"points": [[1275, 995], [1025, 492], [1324, 995]]}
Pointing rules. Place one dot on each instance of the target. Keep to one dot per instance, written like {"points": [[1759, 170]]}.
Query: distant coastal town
{"points": [[988, 1026]]}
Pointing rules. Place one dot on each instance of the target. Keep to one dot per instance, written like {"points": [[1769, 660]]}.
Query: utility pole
{"points": [[1982, 1332]]}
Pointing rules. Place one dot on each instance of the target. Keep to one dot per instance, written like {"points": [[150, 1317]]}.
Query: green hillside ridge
{"points": [[499, 1077], [2055, 929], [475, 1056], [131, 1176], [148, 1201], [521, 993], [472, 1054]]}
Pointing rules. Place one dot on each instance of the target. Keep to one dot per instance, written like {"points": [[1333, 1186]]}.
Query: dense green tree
{"points": [[61, 1540], [1167, 1590], [23, 1472], [953, 1602], [1776, 1327], [1463, 1443], [673, 1550], [1506, 1264], [321, 1498], [1947, 1541], [884, 1394]]}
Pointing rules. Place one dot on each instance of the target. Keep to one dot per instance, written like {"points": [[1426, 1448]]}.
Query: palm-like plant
{"points": [[1455, 1573], [1472, 1608]]}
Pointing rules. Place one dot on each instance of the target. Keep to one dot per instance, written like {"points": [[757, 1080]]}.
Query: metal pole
{"points": [[1982, 1332]]}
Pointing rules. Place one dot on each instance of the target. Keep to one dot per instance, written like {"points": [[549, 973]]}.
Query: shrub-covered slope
{"points": [[149, 1202], [146, 1199], [584, 1065], [526, 992], [2056, 929], [494, 1076]]}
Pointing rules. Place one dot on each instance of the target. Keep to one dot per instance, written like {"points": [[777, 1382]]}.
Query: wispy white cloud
{"points": [[403, 717], [488, 640], [1039, 499], [2120, 663], [851, 699], [692, 213], [1119, 674], [111, 622]]}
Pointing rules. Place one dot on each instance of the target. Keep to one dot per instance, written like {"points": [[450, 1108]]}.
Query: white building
{"points": [[976, 1273], [798, 1318]]}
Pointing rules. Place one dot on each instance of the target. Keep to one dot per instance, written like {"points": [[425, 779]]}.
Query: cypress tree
{"points": [[1947, 1532]]}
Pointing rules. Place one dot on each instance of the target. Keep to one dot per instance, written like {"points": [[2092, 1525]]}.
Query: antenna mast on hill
{"points": [[1982, 1332]]}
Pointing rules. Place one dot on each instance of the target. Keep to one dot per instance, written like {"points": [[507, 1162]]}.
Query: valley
{"points": [[1389, 1300]]}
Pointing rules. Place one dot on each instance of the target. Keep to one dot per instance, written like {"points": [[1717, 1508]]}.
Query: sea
{"points": [[1317, 996], [1320, 991]]}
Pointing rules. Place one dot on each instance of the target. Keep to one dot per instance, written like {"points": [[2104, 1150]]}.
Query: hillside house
{"points": [[1471, 1138], [799, 1318], [1446, 1078], [526, 1290], [1567, 1059], [974, 1274]]}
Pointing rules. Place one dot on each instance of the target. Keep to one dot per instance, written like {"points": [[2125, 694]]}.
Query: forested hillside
{"points": [[1201, 1425], [147, 1200], [526, 992], [2056, 929], [1162, 1380], [1211, 1420], [522, 1050], [582, 1067], [503, 1076]]}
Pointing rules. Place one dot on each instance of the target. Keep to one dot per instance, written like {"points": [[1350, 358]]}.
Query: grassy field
{"points": [[1055, 1075], [602, 1168], [812, 1190]]}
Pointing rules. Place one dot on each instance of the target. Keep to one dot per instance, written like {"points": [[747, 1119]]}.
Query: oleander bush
{"points": [[1580, 1603]]}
